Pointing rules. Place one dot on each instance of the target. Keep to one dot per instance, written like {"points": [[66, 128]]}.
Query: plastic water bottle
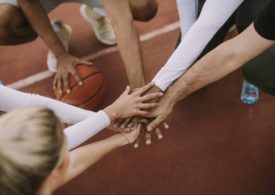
{"points": [[250, 93]]}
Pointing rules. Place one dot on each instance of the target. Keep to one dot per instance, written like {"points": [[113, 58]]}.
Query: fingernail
{"points": [[148, 142], [149, 128], [166, 126], [135, 145], [160, 137], [68, 91], [60, 91], [160, 93], [80, 83]]}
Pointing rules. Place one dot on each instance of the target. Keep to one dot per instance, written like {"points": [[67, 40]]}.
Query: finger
{"points": [[165, 125], [54, 83], [77, 77], [82, 61], [158, 133], [148, 139], [148, 105], [66, 83], [154, 123], [143, 120], [136, 144], [117, 123], [125, 123], [141, 113], [144, 89], [59, 85], [127, 90], [133, 122], [151, 96]]}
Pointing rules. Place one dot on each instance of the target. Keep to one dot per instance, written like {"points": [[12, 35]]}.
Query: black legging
{"points": [[261, 70]]}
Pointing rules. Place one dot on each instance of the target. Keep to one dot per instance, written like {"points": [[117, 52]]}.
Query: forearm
{"points": [[84, 157], [212, 17], [11, 99], [79, 133], [223, 60], [127, 39], [39, 20], [211, 68]]}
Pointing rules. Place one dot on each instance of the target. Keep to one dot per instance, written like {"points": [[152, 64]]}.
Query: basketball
{"points": [[89, 95]]}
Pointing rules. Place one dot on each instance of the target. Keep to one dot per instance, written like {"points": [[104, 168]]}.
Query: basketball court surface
{"points": [[216, 145]]}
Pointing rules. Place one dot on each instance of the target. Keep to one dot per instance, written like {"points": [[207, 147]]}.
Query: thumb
{"points": [[81, 61], [127, 90], [155, 123]]}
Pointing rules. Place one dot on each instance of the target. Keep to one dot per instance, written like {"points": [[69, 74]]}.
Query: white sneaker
{"points": [[101, 25], [64, 33]]}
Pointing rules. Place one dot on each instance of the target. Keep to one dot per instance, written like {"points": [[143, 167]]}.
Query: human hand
{"points": [[131, 121], [128, 105], [148, 135], [133, 135], [160, 113], [67, 66]]}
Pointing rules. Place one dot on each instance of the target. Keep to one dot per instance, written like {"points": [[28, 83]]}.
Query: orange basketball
{"points": [[89, 95]]}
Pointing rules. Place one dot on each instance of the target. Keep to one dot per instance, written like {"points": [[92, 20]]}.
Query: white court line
{"points": [[47, 74]]}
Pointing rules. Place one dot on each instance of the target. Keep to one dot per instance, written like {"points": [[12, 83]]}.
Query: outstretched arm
{"points": [[223, 60], [38, 19], [213, 15], [120, 15], [84, 157], [11, 99]]}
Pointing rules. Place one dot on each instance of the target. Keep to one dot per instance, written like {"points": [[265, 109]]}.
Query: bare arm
{"points": [[226, 58], [223, 60], [128, 40], [37, 17], [84, 157], [39, 20]]}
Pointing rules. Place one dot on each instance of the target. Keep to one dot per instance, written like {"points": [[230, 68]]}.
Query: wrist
{"points": [[120, 140], [171, 97], [110, 111]]}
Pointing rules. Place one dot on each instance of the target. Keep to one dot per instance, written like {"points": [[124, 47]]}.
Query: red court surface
{"points": [[216, 145]]}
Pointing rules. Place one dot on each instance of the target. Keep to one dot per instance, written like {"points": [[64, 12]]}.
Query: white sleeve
{"points": [[82, 131], [213, 15], [11, 99], [188, 12]]}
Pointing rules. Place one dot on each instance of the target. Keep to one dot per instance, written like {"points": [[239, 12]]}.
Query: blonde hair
{"points": [[31, 140]]}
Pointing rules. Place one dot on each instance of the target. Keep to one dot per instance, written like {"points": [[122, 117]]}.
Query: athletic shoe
{"points": [[64, 33], [101, 25]]}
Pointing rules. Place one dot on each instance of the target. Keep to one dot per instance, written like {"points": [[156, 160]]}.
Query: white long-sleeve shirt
{"points": [[88, 123], [196, 34]]}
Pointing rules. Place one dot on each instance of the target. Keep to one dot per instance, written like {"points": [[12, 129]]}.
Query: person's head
{"points": [[32, 148]]}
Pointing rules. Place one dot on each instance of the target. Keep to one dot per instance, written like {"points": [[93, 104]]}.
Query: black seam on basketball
{"points": [[83, 79], [85, 101]]}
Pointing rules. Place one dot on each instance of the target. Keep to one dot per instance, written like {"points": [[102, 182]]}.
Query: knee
{"points": [[144, 10]]}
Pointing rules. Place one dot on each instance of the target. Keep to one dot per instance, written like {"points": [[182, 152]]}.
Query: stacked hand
{"points": [[151, 121], [128, 105]]}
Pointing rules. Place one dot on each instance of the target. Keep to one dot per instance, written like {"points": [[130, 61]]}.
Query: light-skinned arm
{"points": [[120, 15], [217, 64]]}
